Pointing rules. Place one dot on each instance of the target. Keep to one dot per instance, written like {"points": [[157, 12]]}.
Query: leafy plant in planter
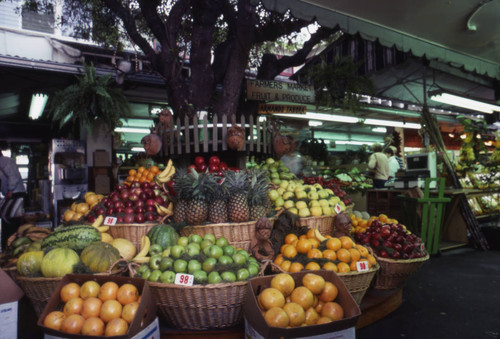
{"points": [[91, 101]]}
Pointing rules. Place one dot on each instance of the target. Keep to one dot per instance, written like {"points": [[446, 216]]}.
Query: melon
{"points": [[125, 247]]}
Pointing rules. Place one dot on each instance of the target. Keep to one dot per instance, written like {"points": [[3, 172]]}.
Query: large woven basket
{"points": [[132, 232], [358, 282], [238, 234], [200, 307], [323, 223], [38, 290], [394, 273]]}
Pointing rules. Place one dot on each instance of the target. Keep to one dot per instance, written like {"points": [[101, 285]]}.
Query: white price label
{"points": [[110, 221], [337, 208], [184, 279], [422, 247], [362, 266]]}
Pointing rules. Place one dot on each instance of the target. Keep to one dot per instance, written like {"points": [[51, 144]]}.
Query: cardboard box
{"points": [[146, 311], [102, 184], [9, 300], [256, 326], [102, 159]]}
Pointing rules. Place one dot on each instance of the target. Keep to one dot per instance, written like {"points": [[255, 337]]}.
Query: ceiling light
{"points": [[379, 129], [38, 102], [314, 123], [460, 101], [137, 149], [133, 130], [392, 123], [463, 136], [354, 142]]}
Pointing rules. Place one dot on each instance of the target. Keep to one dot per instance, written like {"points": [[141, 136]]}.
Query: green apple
{"points": [[193, 266], [166, 263], [273, 195], [193, 249], [195, 238], [275, 175], [243, 252], [300, 204], [252, 260], [318, 186], [279, 202], [300, 195], [291, 187], [289, 204], [205, 243], [180, 266], [253, 269], [228, 250], [177, 251], [329, 191], [183, 241], [314, 203], [239, 258], [200, 277], [323, 194], [293, 210], [154, 262], [214, 277], [143, 268], [281, 191], [276, 181], [284, 183], [209, 264], [288, 195], [316, 211], [215, 252], [304, 213], [154, 276], [166, 252], [228, 276], [270, 161], [327, 210], [167, 277], [312, 195], [242, 274], [155, 249], [145, 275], [323, 202], [221, 242], [225, 260], [209, 236]]}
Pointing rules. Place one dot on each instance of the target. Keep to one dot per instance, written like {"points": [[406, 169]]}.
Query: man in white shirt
{"points": [[393, 164]]}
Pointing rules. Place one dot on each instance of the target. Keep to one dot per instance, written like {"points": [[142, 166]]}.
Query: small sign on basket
{"points": [[110, 221], [362, 266], [337, 208], [184, 279]]}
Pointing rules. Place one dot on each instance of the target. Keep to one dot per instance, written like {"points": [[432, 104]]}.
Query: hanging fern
{"points": [[90, 101]]}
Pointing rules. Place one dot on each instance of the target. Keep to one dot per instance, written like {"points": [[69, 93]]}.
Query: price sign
{"points": [[337, 208], [184, 279], [110, 221], [422, 247], [362, 266]]}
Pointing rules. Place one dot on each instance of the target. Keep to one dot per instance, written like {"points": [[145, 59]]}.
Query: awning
{"points": [[462, 33]]}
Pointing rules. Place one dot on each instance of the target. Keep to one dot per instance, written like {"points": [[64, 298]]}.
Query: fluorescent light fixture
{"points": [[460, 101], [353, 142], [321, 117], [137, 149], [412, 149], [314, 123], [133, 130], [38, 102], [379, 129], [392, 123]]}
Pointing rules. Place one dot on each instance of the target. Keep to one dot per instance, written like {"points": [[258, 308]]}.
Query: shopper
{"points": [[393, 164], [379, 162], [398, 158], [12, 182]]}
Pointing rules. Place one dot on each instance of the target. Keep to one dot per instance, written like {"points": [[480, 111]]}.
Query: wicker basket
{"points": [[394, 273], [38, 290], [12, 272], [238, 234], [132, 232], [323, 223], [200, 307], [358, 282]]}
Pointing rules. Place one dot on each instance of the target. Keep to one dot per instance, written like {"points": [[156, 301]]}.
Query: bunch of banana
{"points": [[28, 237], [167, 174], [141, 257], [165, 211], [32, 232], [98, 222]]}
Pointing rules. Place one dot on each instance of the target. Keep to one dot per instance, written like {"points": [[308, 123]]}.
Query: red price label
{"points": [[422, 247], [337, 208], [362, 266], [110, 221], [184, 279]]}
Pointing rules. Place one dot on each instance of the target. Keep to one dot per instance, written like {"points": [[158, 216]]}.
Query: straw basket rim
{"points": [[144, 224], [223, 224], [198, 286], [402, 261], [354, 273]]}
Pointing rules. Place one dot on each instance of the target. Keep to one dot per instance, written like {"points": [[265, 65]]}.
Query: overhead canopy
{"points": [[462, 33]]}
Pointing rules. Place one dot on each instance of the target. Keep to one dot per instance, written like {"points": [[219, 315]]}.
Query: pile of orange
{"points": [[96, 310], [142, 174], [306, 252], [360, 225], [285, 305]]}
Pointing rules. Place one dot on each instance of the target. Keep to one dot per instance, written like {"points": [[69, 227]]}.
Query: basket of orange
{"points": [[353, 262]]}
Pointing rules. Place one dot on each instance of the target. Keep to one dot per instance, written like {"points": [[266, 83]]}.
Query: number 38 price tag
{"points": [[184, 279], [110, 221], [337, 208], [362, 266]]}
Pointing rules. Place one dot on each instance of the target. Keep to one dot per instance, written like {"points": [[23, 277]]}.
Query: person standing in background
{"points": [[12, 182], [378, 161], [398, 158], [393, 164]]}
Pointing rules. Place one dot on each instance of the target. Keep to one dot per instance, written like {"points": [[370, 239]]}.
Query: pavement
{"points": [[453, 295]]}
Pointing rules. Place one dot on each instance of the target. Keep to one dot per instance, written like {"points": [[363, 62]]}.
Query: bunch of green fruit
{"points": [[210, 260], [305, 200], [276, 170]]}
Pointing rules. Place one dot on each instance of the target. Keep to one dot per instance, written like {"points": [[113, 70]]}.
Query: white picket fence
{"points": [[195, 136]]}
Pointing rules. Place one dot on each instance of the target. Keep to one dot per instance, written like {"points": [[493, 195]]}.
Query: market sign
{"points": [[289, 109], [270, 90]]}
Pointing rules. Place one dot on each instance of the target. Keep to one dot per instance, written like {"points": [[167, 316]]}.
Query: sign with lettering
{"points": [[272, 109], [270, 90]]}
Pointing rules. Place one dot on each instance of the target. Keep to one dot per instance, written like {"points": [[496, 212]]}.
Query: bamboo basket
{"points": [[323, 223], [132, 232], [200, 307], [38, 290], [358, 282], [394, 273], [238, 234]]}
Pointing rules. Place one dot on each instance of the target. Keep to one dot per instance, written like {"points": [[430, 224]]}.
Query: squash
{"points": [[99, 256], [59, 262], [164, 235], [29, 263], [125, 247]]}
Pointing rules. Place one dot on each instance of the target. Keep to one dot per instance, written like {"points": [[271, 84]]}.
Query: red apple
{"points": [[128, 218], [150, 216], [139, 210], [199, 160], [223, 166], [128, 210], [129, 203], [133, 197], [150, 208], [214, 160], [124, 194], [213, 168], [139, 218], [150, 202]]}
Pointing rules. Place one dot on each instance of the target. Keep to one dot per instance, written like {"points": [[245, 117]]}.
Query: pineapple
{"points": [[194, 193], [181, 183], [237, 184], [217, 209], [258, 199]]}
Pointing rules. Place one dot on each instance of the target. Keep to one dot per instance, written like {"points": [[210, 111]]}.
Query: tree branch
{"points": [[148, 9], [275, 29]]}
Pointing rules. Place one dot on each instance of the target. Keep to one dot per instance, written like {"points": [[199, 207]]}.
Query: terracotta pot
{"points": [[235, 138]]}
